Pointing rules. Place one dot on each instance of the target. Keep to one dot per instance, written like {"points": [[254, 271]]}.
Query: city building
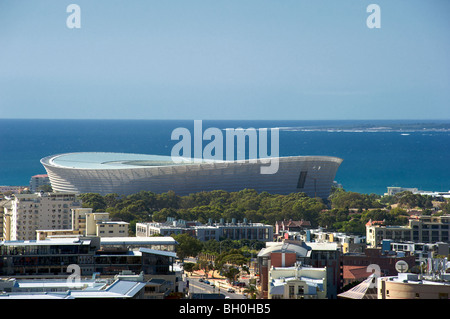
{"points": [[420, 251], [290, 226], [420, 229], [125, 174], [24, 214], [358, 266], [37, 181], [105, 257], [297, 282], [8, 190], [288, 253], [413, 286], [120, 288], [395, 190], [235, 230], [171, 226], [87, 223]]}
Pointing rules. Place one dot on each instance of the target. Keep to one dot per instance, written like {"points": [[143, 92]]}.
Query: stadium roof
{"points": [[100, 160]]}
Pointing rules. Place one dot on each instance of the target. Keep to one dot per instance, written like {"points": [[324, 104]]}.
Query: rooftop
{"points": [[103, 160]]}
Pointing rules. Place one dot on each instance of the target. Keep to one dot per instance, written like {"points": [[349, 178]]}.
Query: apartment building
{"points": [[23, 214], [235, 230], [50, 258], [87, 223], [421, 229], [38, 180]]}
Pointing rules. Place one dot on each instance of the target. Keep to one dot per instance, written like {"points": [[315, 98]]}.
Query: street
{"points": [[195, 286]]}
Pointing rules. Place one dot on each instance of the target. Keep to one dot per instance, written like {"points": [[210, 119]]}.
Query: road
{"points": [[200, 287]]}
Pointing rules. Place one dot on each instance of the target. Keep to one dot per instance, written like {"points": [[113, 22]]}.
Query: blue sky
{"points": [[233, 59]]}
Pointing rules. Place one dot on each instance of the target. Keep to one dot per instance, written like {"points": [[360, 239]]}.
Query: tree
{"points": [[189, 267], [232, 274], [252, 291], [187, 246], [94, 201], [45, 188], [446, 207]]}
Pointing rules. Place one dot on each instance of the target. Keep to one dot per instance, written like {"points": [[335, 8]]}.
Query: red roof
{"points": [[41, 175], [356, 272]]}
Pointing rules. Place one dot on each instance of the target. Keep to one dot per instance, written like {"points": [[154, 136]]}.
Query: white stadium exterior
{"points": [[126, 174]]}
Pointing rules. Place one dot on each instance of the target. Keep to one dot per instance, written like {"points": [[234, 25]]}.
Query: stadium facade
{"points": [[125, 174]]}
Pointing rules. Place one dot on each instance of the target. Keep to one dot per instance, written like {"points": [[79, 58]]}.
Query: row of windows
{"points": [[112, 232]]}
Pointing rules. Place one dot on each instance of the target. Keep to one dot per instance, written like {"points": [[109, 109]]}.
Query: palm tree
{"points": [[252, 291]]}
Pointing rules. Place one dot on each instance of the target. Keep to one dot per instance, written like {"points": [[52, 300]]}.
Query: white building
{"points": [[38, 180], [297, 282], [210, 231], [125, 174], [29, 212]]}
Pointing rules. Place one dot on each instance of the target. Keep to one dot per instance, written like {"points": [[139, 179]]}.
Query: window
{"points": [[291, 291], [302, 179]]}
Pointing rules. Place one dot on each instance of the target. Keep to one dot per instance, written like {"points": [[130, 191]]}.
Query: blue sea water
{"points": [[376, 154]]}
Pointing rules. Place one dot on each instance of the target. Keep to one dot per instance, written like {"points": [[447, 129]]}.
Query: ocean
{"points": [[376, 154]]}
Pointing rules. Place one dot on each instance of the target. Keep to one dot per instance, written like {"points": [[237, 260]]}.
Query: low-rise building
{"points": [[413, 286], [210, 231], [87, 223], [297, 282], [120, 288]]}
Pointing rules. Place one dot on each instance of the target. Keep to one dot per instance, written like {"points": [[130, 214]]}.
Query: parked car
{"points": [[201, 280], [206, 282], [230, 290]]}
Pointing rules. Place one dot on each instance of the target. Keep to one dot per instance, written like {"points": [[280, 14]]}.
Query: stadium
{"points": [[124, 174]]}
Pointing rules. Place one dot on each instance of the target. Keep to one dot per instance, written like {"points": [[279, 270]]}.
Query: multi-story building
{"points": [[50, 258], [26, 213], [171, 226], [210, 231], [290, 226], [420, 251], [357, 266], [423, 229], [5, 206], [297, 282], [288, 253], [87, 223], [38, 180]]}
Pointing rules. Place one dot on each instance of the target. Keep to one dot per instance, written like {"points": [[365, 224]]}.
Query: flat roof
{"points": [[46, 242], [158, 252], [157, 240]]}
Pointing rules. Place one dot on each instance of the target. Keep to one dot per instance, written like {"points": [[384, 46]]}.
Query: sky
{"points": [[225, 59]]}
